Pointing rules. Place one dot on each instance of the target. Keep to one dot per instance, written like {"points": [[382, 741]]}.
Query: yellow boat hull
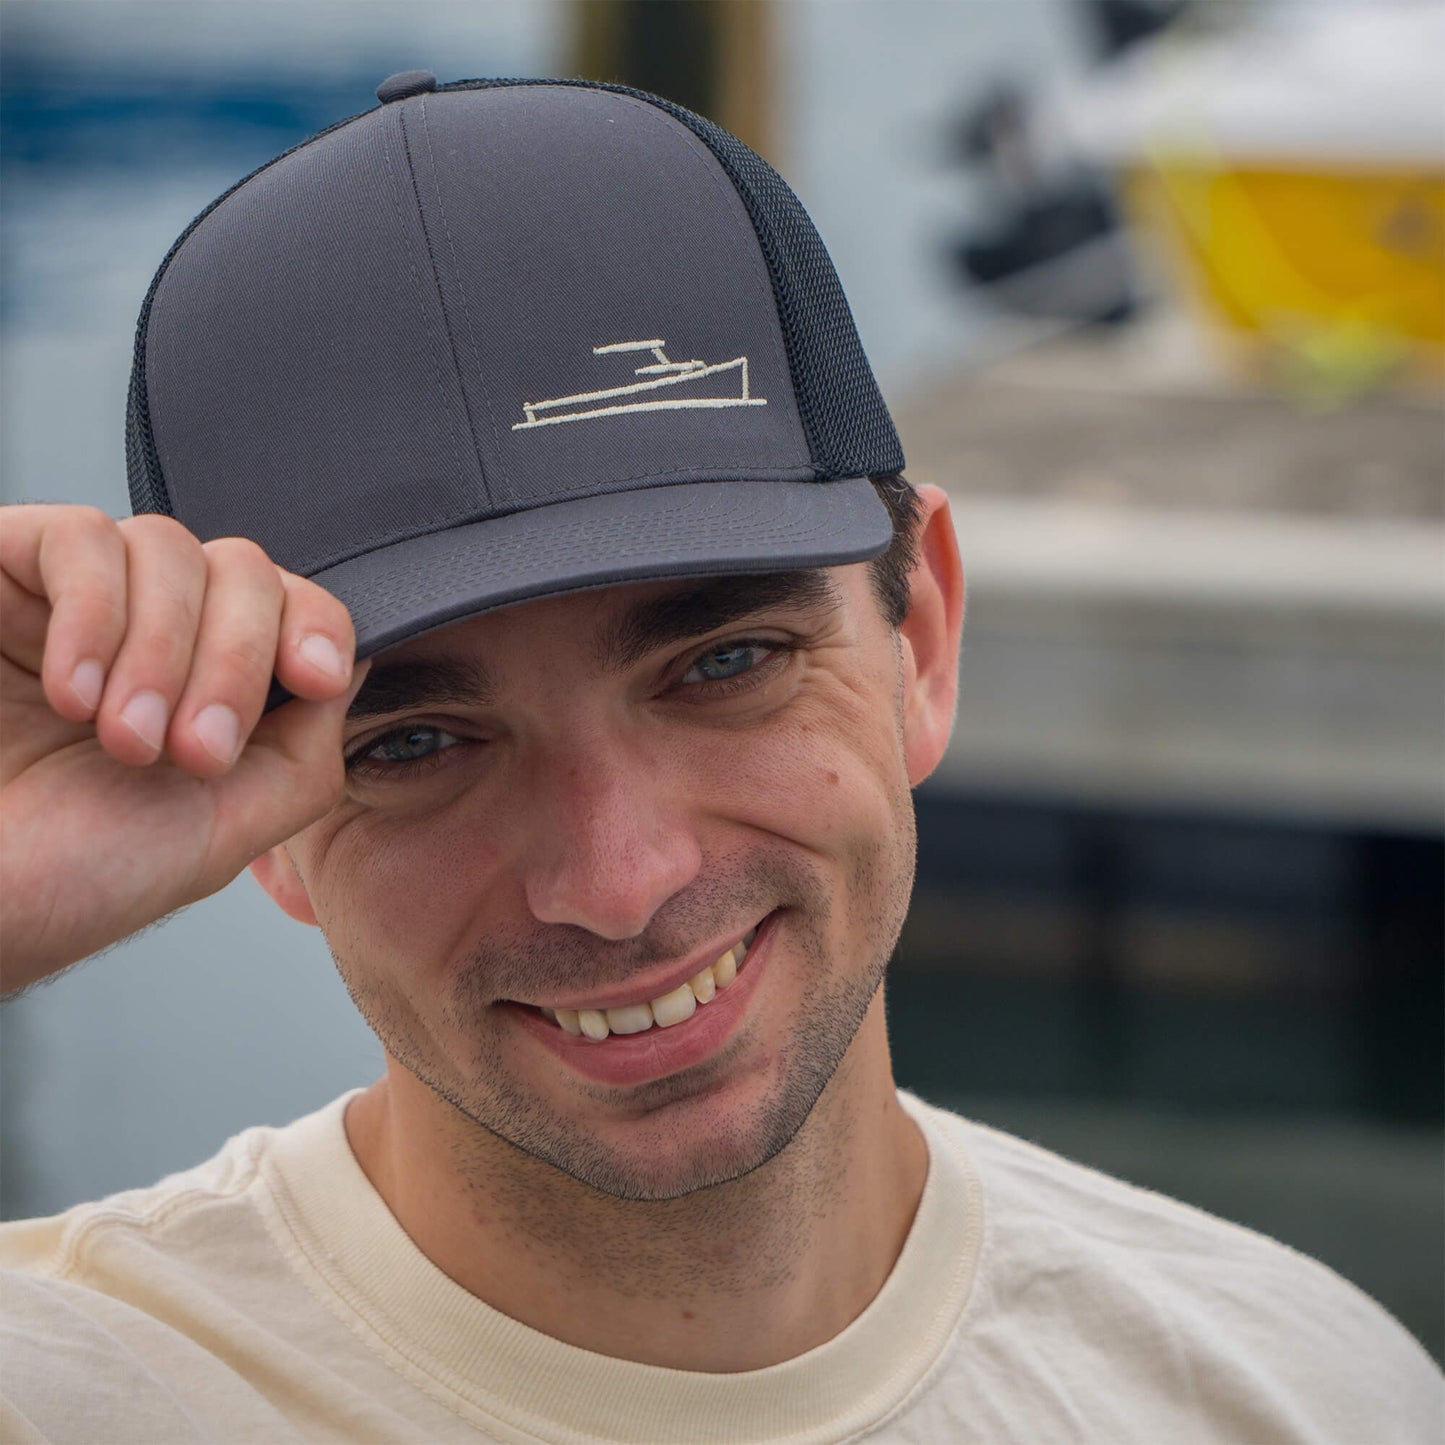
{"points": [[1342, 268]]}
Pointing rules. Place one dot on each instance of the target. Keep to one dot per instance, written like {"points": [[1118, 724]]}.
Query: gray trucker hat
{"points": [[499, 340]]}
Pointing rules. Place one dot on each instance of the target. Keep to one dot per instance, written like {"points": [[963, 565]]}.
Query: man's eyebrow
{"points": [[720, 601], [407, 686]]}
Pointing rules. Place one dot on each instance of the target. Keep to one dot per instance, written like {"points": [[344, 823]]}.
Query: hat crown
{"points": [[486, 297], [500, 340]]}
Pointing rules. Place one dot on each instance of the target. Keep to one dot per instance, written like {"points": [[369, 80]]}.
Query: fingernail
{"points": [[323, 653], [219, 730], [146, 715], [87, 682]]}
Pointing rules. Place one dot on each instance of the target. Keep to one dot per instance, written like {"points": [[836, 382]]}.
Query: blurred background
{"points": [[1156, 289]]}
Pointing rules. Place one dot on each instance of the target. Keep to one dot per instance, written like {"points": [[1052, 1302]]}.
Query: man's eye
{"points": [[405, 745], [718, 664]]}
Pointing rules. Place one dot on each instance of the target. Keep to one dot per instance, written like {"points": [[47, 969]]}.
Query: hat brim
{"points": [[686, 530]]}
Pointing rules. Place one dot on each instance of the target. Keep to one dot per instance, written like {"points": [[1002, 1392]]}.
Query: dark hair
{"points": [[891, 568]]}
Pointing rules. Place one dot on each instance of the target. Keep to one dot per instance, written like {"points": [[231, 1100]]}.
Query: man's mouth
{"points": [[663, 1012]]}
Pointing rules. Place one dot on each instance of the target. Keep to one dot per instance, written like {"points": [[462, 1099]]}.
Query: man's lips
{"points": [[643, 987], [650, 1050]]}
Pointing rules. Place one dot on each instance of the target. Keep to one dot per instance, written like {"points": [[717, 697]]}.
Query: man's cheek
{"points": [[816, 784], [406, 896]]}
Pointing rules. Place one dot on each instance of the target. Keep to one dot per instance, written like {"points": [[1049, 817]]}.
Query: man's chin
{"points": [[690, 1138], [645, 1172]]}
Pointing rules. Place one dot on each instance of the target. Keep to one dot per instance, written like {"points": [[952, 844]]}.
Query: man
{"points": [[610, 834]]}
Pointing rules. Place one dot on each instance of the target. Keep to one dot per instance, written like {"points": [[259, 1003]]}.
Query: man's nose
{"points": [[608, 848]]}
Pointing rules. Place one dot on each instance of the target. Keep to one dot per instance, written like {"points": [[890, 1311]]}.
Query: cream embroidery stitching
{"points": [[665, 373]]}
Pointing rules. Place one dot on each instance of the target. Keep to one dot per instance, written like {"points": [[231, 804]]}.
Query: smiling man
{"points": [[687, 840], [543, 401]]}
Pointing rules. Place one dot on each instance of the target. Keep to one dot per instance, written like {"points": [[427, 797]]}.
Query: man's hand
{"points": [[136, 771]]}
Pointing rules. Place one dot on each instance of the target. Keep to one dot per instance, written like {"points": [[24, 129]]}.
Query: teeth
{"points": [[631, 1019], [672, 1008], [675, 1007], [725, 970]]}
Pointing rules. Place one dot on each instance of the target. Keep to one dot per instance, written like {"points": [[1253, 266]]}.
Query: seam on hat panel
{"points": [[699, 127], [466, 311], [762, 277], [421, 303], [788, 271], [442, 305]]}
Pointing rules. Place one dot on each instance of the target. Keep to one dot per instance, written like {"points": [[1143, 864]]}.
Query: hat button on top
{"points": [[405, 83]]}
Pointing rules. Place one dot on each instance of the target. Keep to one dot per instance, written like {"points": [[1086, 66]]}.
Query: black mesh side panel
{"points": [[850, 432], [148, 490], [844, 416]]}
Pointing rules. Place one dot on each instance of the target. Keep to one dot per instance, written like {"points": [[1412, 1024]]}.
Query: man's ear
{"points": [[277, 874], [932, 633]]}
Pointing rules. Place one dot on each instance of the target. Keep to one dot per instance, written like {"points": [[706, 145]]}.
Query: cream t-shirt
{"points": [[269, 1296]]}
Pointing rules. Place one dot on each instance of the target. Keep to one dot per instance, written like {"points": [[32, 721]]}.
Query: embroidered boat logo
{"points": [[663, 385]]}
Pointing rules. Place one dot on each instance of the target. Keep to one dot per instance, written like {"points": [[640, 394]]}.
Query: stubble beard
{"points": [[816, 1039]]}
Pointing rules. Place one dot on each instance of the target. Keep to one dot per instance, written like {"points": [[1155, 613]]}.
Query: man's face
{"points": [[584, 801]]}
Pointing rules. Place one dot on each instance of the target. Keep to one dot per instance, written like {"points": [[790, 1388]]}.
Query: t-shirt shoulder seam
{"points": [[1114, 1182], [1254, 1238], [69, 1255], [279, 1215]]}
